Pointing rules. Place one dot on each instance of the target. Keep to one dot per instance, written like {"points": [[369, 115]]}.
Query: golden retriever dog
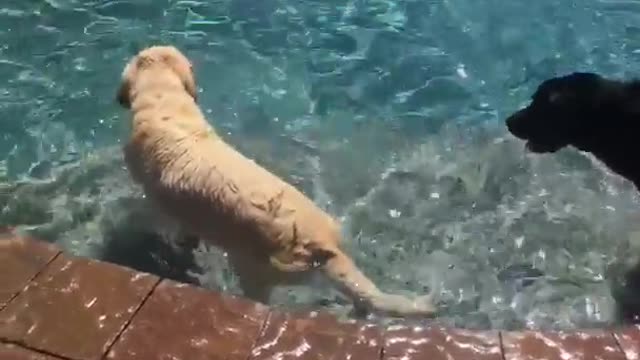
{"points": [[273, 234]]}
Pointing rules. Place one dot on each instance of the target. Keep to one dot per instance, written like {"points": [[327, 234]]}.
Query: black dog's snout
{"points": [[512, 123], [509, 123]]}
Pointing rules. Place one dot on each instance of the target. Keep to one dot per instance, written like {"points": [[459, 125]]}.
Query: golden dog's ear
{"points": [[185, 71], [123, 94], [190, 86], [182, 67]]}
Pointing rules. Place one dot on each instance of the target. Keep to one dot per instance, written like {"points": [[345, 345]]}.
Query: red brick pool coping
{"points": [[56, 306]]}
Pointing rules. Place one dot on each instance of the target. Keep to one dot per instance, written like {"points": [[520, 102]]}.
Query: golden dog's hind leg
{"points": [[257, 288], [345, 274], [255, 276]]}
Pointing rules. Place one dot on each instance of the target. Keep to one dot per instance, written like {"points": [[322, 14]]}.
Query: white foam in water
{"points": [[389, 114]]}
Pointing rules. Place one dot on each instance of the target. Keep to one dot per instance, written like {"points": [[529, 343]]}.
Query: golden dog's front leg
{"points": [[344, 272]]}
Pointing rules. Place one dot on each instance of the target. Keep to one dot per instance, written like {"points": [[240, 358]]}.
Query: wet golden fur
{"points": [[272, 232]]}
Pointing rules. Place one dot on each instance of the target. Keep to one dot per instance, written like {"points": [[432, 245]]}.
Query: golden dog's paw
{"points": [[398, 305]]}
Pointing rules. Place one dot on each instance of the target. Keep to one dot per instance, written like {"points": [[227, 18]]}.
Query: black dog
{"points": [[589, 112]]}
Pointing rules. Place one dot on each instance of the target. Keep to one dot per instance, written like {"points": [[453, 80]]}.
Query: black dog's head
{"points": [[561, 113]]}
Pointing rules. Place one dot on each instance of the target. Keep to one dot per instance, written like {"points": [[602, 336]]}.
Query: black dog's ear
{"points": [[569, 87]]}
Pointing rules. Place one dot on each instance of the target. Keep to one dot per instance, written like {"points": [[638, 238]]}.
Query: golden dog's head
{"points": [[154, 56]]}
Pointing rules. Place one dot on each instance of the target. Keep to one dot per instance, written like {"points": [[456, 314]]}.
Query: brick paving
{"points": [[54, 306]]}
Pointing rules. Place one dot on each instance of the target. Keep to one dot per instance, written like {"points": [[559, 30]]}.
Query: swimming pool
{"points": [[388, 113]]}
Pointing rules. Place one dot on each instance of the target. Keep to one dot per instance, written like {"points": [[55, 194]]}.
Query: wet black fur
{"points": [[589, 112]]}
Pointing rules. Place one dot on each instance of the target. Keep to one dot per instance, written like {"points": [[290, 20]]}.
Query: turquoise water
{"points": [[388, 113]]}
